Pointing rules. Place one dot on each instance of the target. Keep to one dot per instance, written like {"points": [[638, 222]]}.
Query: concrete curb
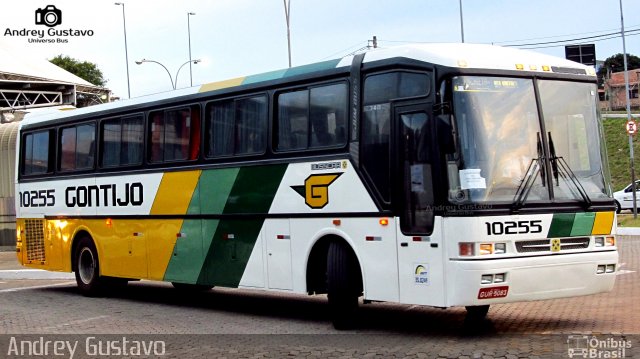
{"points": [[628, 231], [34, 274]]}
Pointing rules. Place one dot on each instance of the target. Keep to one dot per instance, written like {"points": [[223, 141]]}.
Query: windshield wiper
{"points": [[560, 166], [536, 165]]}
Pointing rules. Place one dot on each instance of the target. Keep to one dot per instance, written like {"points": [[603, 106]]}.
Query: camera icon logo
{"points": [[49, 16]]}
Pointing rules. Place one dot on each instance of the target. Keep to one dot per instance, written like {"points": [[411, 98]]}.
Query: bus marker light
{"points": [[519, 67], [546, 68], [336, 222], [500, 248], [601, 269], [462, 63], [373, 238], [384, 221], [417, 239], [486, 248], [610, 241], [611, 268], [228, 236], [108, 222], [499, 278], [283, 236], [533, 67], [466, 249], [181, 235]]}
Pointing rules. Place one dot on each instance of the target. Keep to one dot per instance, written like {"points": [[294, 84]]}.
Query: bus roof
{"points": [[455, 55]]}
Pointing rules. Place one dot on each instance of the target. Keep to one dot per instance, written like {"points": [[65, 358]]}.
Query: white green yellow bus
{"points": [[437, 174]]}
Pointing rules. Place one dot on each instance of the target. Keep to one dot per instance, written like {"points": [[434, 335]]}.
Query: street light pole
{"points": [[287, 13], [189, 34], [180, 68], [461, 22], [165, 68], [626, 85], [173, 84], [126, 52]]}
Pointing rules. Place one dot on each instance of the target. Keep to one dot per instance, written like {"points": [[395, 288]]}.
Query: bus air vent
{"points": [[35, 239], [544, 245]]}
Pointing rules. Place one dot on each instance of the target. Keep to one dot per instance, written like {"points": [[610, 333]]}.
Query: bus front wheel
{"points": [[88, 268], [344, 285], [477, 313]]}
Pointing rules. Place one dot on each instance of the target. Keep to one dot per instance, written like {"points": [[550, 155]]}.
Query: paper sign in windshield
{"points": [[471, 179]]}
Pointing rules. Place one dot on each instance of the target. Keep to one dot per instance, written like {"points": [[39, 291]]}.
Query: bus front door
{"points": [[419, 243]]}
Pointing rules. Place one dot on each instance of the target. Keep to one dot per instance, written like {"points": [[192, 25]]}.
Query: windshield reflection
{"points": [[500, 142]]}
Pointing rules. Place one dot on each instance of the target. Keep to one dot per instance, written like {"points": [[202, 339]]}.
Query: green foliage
{"points": [[616, 64], [617, 141], [85, 70]]}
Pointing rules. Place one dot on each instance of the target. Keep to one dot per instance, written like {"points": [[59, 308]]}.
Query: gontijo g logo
{"points": [[316, 189]]}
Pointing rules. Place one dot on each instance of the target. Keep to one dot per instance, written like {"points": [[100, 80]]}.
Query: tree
{"points": [[85, 70], [615, 63]]}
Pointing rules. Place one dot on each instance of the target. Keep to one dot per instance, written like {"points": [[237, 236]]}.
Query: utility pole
{"points": [[287, 13], [626, 85]]}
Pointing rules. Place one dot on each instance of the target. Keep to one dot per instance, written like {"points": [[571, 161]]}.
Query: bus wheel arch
{"points": [[316, 268]]}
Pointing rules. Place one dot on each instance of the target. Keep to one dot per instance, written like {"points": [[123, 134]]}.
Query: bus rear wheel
{"points": [[344, 285], [88, 268]]}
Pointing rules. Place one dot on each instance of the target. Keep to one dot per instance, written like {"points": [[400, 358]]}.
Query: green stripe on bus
{"points": [[561, 225], [210, 197], [234, 239], [583, 224]]}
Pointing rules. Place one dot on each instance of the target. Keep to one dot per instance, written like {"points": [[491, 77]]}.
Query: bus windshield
{"points": [[504, 151]]}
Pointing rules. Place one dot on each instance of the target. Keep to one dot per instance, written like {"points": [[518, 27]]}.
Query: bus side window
{"points": [[36, 153], [157, 137], [251, 123], [68, 149], [293, 120], [194, 142]]}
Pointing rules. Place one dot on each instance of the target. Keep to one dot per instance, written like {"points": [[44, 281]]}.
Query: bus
{"points": [[433, 174]]}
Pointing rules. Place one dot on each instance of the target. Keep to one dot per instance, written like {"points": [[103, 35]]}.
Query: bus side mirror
{"points": [[445, 134]]}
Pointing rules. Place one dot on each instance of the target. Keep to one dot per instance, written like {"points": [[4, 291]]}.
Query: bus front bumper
{"points": [[482, 282]]}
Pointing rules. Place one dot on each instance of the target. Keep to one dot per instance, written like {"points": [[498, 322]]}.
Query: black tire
{"points": [[88, 268], [344, 285], [618, 208], [186, 287], [477, 312]]}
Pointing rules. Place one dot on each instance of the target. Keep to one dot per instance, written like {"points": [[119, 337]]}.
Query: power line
{"points": [[565, 35], [609, 36]]}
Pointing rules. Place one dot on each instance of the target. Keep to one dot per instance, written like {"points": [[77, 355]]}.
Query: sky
{"points": [[243, 37]]}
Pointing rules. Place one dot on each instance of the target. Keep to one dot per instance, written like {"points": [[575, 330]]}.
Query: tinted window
{"points": [[122, 142], [36, 153], [312, 118], [379, 90], [77, 147], [174, 134], [236, 127]]}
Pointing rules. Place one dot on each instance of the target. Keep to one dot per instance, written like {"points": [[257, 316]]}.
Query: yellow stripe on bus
{"points": [[221, 84], [603, 223], [175, 192]]}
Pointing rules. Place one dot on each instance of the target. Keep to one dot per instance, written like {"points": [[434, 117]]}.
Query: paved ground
{"points": [[253, 324]]}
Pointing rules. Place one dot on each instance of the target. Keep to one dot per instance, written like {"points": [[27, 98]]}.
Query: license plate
{"points": [[493, 292]]}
